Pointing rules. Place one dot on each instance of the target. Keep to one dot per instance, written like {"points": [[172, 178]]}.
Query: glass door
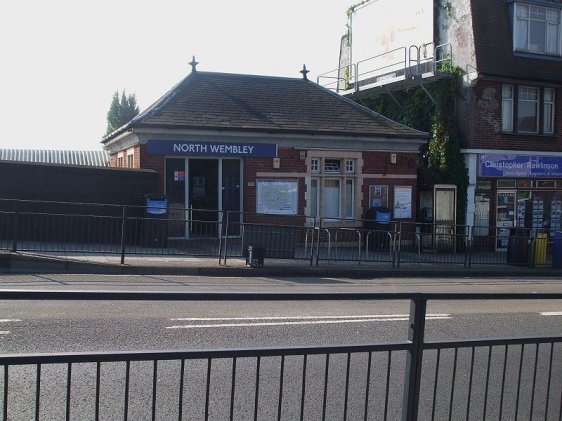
{"points": [[505, 216], [231, 193], [203, 197]]}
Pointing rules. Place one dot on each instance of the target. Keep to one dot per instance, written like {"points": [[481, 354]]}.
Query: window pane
{"points": [[332, 165], [314, 197], [522, 11], [521, 34], [507, 108], [527, 117], [331, 199], [537, 36], [552, 37], [349, 199]]}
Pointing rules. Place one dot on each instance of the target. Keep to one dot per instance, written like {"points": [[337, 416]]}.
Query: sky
{"points": [[62, 60]]}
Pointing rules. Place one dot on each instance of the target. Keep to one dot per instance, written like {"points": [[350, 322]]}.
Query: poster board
{"points": [[277, 197], [402, 202]]}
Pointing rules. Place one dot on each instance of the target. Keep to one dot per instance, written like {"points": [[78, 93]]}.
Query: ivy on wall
{"points": [[440, 159]]}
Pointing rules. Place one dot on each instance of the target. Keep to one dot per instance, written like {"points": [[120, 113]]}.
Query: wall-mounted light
{"points": [[393, 158], [276, 163]]}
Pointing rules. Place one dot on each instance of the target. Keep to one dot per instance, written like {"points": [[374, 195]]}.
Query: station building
{"points": [[271, 146]]}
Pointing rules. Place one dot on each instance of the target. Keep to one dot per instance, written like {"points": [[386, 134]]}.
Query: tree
{"points": [[121, 111]]}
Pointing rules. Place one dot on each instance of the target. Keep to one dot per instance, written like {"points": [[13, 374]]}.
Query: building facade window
{"points": [[507, 108], [315, 165], [528, 110], [548, 106], [537, 29], [524, 115], [120, 160], [332, 186], [130, 158]]}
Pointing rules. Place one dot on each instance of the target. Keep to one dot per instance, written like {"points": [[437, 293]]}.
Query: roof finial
{"points": [[304, 72], [194, 64]]}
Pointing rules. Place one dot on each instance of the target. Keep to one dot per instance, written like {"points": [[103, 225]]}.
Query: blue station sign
{"points": [[492, 165], [194, 148]]}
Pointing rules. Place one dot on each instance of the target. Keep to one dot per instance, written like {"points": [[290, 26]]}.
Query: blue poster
{"points": [[194, 148], [492, 165]]}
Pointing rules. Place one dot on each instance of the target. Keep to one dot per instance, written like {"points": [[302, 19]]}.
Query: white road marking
{"points": [[4, 332], [551, 313], [9, 320], [385, 318], [365, 316]]}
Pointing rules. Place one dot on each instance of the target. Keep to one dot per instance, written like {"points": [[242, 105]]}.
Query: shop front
{"points": [[517, 191]]}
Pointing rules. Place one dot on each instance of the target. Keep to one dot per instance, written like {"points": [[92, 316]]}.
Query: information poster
{"points": [[277, 197], [402, 202]]}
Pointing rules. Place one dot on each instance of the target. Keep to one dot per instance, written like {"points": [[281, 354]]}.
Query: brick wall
{"points": [[482, 116], [153, 162]]}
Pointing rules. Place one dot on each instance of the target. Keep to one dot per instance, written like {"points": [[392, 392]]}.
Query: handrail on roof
{"points": [[413, 62]]}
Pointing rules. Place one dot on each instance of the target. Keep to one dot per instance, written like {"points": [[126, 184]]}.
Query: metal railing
{"points": [[409, 379], [128, 230]]}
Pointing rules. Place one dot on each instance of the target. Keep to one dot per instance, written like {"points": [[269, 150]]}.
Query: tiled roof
{"points": [[494, 46], [223, 101], [80, 158]]}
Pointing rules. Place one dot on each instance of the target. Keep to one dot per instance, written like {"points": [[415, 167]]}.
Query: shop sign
{"points": [[194, 148], [520, 166]]}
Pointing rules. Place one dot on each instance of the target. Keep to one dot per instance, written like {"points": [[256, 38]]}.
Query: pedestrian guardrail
{"points": [[410, 379], [60, 227]]}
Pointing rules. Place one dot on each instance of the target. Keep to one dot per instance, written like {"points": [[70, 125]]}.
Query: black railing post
{"points": [[226, 236], [123, 233], [312, 244], [468, 257], [414, 358], [318, 247], [222, 232], [15, 230]]}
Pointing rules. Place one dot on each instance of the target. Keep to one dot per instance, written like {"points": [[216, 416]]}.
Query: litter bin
{"points": [[557, 249], [254, 257], [539, 250], [518, 247], [378, 223], [155, 232]]}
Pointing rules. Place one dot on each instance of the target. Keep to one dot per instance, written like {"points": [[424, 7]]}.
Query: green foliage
{"points": [[441, 161], [121, 111]]}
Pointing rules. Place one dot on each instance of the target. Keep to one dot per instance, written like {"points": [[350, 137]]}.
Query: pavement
{"points": [[91, 263]]}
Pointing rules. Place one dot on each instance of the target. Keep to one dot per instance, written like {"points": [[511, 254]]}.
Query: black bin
{"points": [[378, 222], [518, 247], [254, 257], [155, 227]]}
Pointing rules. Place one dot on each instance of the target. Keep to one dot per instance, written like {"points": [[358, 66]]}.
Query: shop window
{"points": [[546, 184], [548, 111], [484, 185], [537, 29], [528, 110], [524, 183], [506, 184]]}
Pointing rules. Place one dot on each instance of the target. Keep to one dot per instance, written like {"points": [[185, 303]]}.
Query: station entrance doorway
{"points": [[200, 191]]}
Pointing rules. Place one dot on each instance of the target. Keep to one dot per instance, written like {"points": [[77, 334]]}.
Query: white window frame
{"points": [[524, 17], [314, 165], [548, 110], [507, 108], [330, 167], [350, 166], [120, 159], [522, 97]]}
